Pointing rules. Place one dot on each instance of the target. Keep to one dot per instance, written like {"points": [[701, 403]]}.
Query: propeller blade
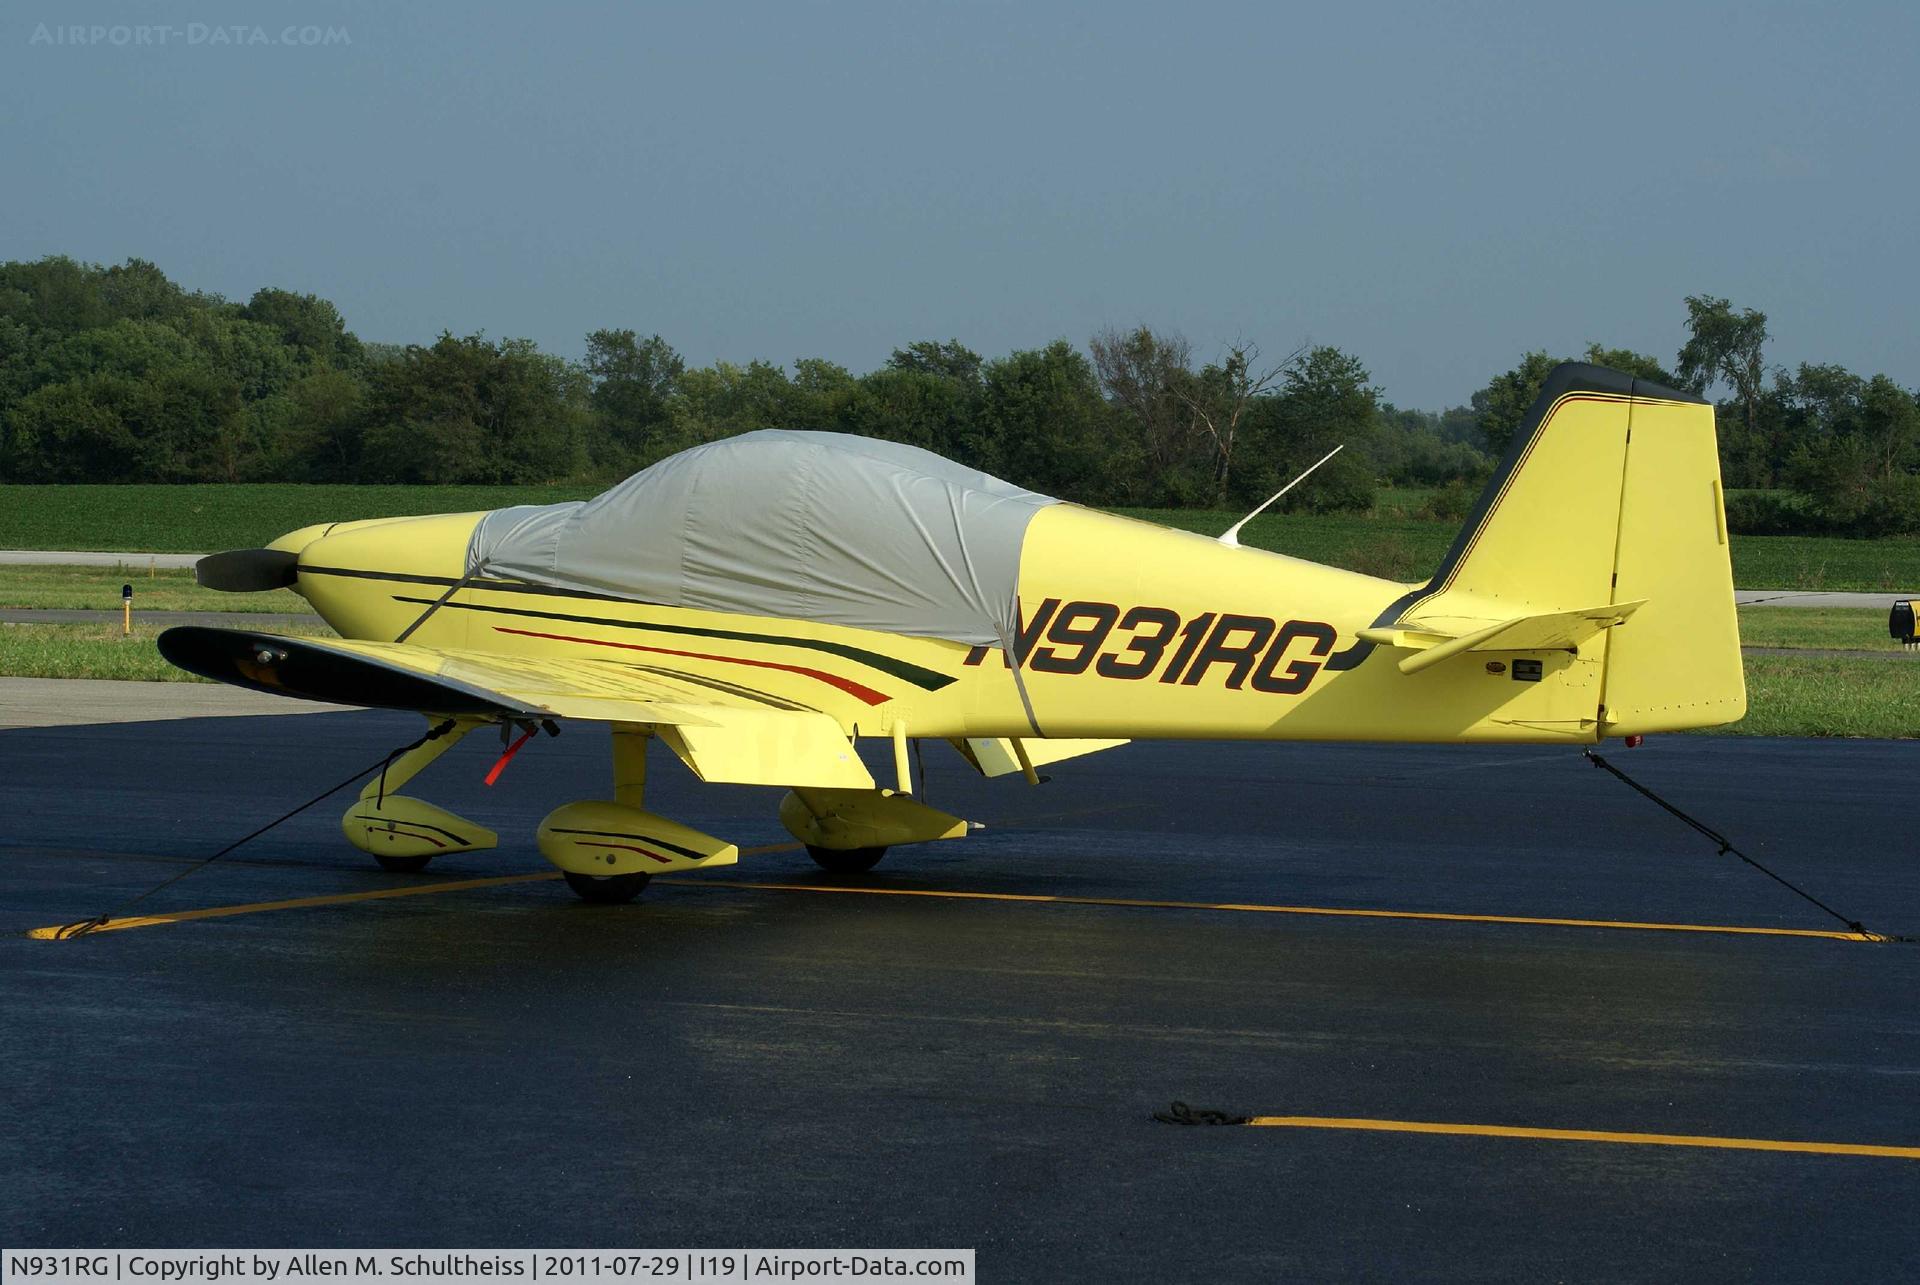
{"points": [[247, 570]]}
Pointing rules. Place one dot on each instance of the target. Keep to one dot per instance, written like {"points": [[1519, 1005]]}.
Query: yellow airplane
{"points": [[762, 603]]}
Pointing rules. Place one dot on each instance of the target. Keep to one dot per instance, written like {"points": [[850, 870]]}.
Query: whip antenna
{"points": [[1231, 537]]}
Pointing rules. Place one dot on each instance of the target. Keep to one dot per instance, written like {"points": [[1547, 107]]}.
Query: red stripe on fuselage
{"points": [[847, 685]]}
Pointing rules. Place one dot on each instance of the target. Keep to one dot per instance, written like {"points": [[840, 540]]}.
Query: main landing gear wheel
{"points": [[606, 890], [402, 865], [846, 861]]}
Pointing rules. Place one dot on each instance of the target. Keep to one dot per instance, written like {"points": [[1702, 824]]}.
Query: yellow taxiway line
{"points": [[1264, 909], [55, 932], [1585, 1135]]}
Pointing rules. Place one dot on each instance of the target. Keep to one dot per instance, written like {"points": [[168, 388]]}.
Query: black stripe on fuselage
{"points": [[921, 677]]}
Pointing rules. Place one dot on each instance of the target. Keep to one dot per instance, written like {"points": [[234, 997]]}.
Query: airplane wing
{"points": [[1434, 640], [726, 733]]}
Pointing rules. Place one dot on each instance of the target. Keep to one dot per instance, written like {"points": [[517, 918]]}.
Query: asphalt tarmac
{"points": [[723, 1065]]}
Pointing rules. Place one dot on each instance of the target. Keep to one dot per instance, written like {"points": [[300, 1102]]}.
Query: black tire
{"points": [[402, 865], [606, 890], [846, 861]]}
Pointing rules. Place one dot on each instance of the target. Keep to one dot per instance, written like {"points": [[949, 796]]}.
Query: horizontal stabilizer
{"points": [[1549, 631]]}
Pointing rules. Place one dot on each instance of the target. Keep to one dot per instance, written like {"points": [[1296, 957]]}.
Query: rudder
{"points": [[1677, 663]]}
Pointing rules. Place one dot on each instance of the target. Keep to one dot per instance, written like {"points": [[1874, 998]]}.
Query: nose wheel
{"points": [[606, 890], [401, 865]]}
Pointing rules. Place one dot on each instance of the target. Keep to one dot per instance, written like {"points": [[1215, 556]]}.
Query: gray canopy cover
{"points": [[811, 526]]}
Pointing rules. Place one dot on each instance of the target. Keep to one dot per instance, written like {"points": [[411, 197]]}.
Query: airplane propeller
{"points": [[247, 570]]}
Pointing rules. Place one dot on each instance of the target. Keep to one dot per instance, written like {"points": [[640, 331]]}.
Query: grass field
{"points": [[98, 589], [1392, 542], [1827, 695], [1830, 696], [1838, 628], [94, 651]]}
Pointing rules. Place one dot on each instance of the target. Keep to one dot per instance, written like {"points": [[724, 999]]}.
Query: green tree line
{"points": [[1819, 449], [118, 374]]}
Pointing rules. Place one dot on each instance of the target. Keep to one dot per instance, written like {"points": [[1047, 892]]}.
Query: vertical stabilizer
{"points": [[1609, 495]]}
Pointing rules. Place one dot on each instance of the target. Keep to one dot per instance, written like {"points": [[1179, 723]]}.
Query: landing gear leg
{"points": [[608, 850], [629, 790], [403, 834]]}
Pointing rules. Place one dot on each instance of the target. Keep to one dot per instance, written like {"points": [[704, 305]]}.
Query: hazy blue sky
{"points": [[1433, 187]]}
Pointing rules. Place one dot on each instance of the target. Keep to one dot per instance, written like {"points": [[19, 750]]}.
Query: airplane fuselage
{"points": [[1127, 629]]}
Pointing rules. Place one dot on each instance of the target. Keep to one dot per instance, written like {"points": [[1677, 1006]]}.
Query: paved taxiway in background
{"points": [[722, 1065]]}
